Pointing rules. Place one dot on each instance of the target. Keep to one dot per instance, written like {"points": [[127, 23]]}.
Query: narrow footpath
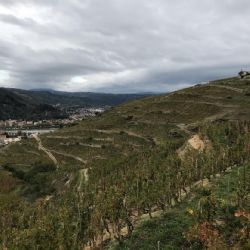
{"points": [[45, 150]]}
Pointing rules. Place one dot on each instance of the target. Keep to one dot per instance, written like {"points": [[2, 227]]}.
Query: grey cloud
{"points": [[163, 81], [10, 19], [122, 46]]}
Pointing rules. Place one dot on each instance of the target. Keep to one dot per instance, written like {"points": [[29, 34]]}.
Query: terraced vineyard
{"points": [[91, 184]]}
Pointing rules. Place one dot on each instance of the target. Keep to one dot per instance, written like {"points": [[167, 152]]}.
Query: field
{"points": [[91, 184]]}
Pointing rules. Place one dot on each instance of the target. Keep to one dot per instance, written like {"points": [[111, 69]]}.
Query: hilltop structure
{"points": [[244, 74]]}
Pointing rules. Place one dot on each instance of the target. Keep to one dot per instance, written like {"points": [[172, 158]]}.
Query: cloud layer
{"points": [[121, 46]]}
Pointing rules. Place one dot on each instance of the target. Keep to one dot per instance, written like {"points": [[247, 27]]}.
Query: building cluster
{"points": [[11, 136], [16, 130], [81, 113], [17, 124], [75, 114], [5, 139]]}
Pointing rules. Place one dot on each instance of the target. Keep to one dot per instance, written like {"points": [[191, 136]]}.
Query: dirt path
{"points": [[130, 133], [184, 127], [45, 150], [227, 87], [90, 145], [83, 175], [103, 131], [64, 137], [218, 116], [109, 139], [221, 105], [70, 156], [136, 135]]}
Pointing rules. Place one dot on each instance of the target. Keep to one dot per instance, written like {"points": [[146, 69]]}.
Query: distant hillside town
{"points": [[16, 130], [5, 139]]}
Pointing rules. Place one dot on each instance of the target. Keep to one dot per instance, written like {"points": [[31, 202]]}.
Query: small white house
{"points": [[11, 140]]}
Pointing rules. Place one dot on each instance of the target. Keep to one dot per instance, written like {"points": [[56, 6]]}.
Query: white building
{"points": [[11, 140]]}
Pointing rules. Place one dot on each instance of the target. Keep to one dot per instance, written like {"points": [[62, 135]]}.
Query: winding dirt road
{"points": [[70, 156], [227, 87], [45, 150]]}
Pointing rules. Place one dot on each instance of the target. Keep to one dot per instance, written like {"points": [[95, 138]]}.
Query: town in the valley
{"points": [[15, 130]]}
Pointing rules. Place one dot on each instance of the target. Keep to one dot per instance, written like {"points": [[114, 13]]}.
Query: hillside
{"points": [[183, 227], [39, 104], [16, 106], [83, 99], [93, 183]]}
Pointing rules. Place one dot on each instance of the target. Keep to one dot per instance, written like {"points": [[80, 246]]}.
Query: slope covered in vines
{"points": [[135, 160]]}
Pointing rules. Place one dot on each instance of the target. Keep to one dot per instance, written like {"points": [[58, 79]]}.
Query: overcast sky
{"points": [[121, 45]]}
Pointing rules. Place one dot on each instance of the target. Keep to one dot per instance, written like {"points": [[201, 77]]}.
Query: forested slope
{"points": [[43, 104], [133, 161], [15, 106]]}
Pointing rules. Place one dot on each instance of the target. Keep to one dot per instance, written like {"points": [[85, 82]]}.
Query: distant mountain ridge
{"points": [[85, 99], [42, 89], [17, 106], [40, 104], [170, 166]]}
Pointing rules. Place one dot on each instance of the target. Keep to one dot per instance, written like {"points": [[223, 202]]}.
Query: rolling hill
{"points": [[104, 180], [84, 99], [16, 106], [40, 104]]}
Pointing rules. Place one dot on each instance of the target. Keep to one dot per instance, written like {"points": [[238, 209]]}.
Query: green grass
{"points": [[166, 230]]}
